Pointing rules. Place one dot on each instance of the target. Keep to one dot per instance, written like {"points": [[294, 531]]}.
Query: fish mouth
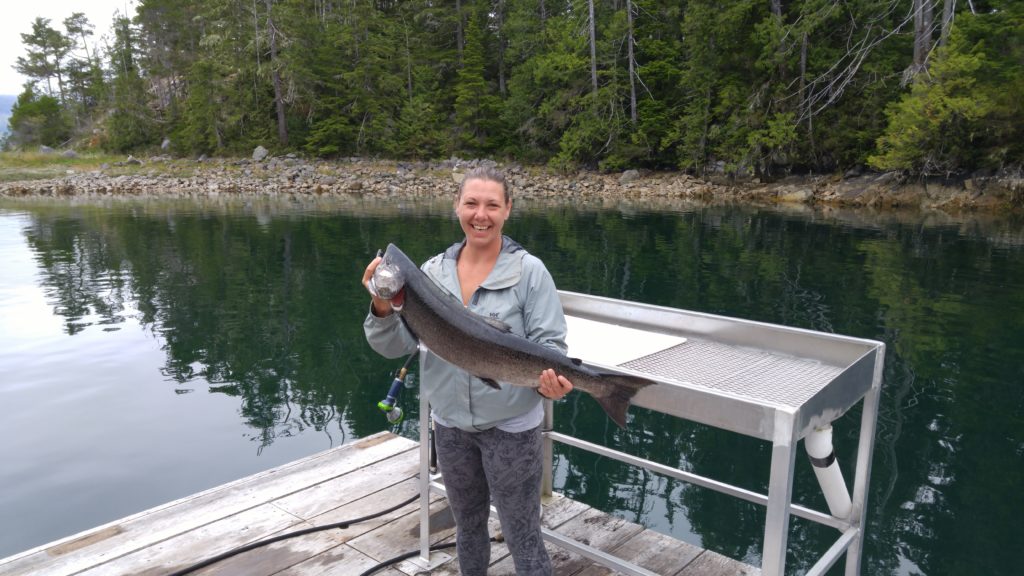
{"points": [[398, 300]]}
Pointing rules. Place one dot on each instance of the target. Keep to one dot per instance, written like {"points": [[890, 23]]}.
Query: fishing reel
{"points": [[388, 405]]}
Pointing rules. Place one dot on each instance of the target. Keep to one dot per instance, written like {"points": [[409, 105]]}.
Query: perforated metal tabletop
{"points": [[731, 373]]}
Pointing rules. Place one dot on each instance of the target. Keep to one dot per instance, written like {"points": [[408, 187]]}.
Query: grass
{"points": [[16, 166]]}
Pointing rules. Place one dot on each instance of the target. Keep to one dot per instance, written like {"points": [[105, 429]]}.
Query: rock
{"points": [[69, 154], [260, 153], [629, 176], [795, 195], [853, 172], [45, 150], [133, 161], [458, 177], [166, 144]]}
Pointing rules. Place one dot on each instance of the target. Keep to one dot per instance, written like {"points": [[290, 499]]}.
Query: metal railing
{"points": [[726, 373]]}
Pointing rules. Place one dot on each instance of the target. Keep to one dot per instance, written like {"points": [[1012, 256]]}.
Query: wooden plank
{"points": [[273, 558], [84, 550], [656, 552], [293, 551], [205, 542], [371, 504], [558, 510], [499, 551], [339, 561], [403, 534], [593, 528], [337, 492], [713, 564]]}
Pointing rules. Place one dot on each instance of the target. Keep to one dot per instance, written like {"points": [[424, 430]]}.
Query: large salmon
{"points": [[486, 348]]}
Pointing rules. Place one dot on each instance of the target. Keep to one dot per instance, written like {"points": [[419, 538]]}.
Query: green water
{"points": [[151, 350]]}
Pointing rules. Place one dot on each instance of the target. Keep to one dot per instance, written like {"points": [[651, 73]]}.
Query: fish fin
{"points": [[576, 361], [495, 323], [492, 383], [623, 388]]}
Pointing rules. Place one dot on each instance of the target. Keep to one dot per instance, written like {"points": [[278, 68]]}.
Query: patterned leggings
{"points": [[505, 466]]}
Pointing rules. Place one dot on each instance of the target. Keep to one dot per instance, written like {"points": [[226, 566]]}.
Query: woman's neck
{"points": [[473, 254]]}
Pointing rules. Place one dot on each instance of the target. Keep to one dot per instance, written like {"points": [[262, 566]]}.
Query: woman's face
{"points": [[482, 211]]}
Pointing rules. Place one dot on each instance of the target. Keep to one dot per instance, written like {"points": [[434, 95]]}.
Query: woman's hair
{"points": [[488, 173]]}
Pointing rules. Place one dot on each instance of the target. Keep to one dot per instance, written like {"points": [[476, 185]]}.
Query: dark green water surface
{"points": [[151, 350]]}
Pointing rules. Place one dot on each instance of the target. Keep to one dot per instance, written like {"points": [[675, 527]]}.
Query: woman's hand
{"points": [[553, 386], [381, 307]]}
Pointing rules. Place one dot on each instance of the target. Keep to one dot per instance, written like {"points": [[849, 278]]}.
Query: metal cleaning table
{"points": [[771, 382]]}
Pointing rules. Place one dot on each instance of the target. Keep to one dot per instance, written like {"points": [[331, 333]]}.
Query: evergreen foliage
{"points": [[747, 87], [37, 119]]}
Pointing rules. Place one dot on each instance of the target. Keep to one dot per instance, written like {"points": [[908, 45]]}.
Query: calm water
{"points": [[151, 350]]}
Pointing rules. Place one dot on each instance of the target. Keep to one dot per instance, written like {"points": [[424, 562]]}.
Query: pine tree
{"points": [[476, 106], [46, 49], [129, 124]]}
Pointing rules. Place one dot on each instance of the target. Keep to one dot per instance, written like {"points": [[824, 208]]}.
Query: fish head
{"points": [[388, 280]]}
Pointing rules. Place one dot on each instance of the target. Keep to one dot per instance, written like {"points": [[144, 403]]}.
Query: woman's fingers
{"points": [[552, 385]]}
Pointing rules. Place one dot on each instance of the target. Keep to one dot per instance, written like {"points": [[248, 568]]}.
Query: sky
{"points": [[17, 19]]}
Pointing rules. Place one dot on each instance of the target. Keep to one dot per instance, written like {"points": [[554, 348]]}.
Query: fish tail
{"points": [[623, 388]]}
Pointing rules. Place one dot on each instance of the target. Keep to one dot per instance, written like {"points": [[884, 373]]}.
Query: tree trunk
{"points": [[501, 46], [803, 105], [459, 36], [948, 9], [632, 70], [282, 126], [923, 20], [408, 60], [593, 48]]}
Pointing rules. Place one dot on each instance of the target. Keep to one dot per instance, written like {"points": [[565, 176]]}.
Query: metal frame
{"points": [[831, 374]]}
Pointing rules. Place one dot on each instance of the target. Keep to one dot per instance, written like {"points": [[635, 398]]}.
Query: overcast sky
{"points": [[17, 17]]}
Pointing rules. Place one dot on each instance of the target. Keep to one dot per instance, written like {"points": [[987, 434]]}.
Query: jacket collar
{"points": [[506, 273]]}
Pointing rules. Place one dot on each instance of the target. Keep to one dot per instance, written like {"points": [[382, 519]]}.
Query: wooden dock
{"points": [[339, 484]]}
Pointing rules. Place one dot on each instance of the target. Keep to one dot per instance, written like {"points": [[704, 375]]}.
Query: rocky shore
{"points": [[291, 176]]}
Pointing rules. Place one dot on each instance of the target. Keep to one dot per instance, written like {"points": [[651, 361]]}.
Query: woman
{"points": [[488, 441]]}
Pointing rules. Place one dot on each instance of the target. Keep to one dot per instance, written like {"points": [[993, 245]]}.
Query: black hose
{"points": [[405, 556], [408, 555], [279, 537]]}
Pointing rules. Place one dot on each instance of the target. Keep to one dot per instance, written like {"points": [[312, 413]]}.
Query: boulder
{"points": [[628, 177], [260, 153]]}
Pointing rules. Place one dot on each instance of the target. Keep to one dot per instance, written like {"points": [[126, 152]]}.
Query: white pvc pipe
{"points": [[826, 468]]}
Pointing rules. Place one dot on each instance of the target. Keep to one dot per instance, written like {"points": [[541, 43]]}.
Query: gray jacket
{"points": [[520, 292]]}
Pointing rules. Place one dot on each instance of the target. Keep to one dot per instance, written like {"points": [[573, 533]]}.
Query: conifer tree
{"points": [[476, 106]]}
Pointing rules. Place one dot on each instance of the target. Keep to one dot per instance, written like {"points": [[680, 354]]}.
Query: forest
{"points": [[744, 87]]}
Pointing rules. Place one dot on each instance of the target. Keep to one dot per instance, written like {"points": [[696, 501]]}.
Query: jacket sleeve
{"points": [[388, 336], [543, 318]]}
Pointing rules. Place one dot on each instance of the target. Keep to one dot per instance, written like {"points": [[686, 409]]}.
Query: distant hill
{"points": [[6, 103]]}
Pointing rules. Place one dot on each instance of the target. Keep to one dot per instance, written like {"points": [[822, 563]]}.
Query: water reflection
{"points": [[260, 302]]}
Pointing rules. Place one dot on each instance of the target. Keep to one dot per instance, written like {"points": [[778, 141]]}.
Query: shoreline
{"points": [[364, 179]]}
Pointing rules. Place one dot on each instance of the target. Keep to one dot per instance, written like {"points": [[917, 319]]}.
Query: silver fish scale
{"points": [[748, 372]]}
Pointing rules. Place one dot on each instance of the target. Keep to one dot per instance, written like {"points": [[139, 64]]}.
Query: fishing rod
{"points": [[388, 406]]}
